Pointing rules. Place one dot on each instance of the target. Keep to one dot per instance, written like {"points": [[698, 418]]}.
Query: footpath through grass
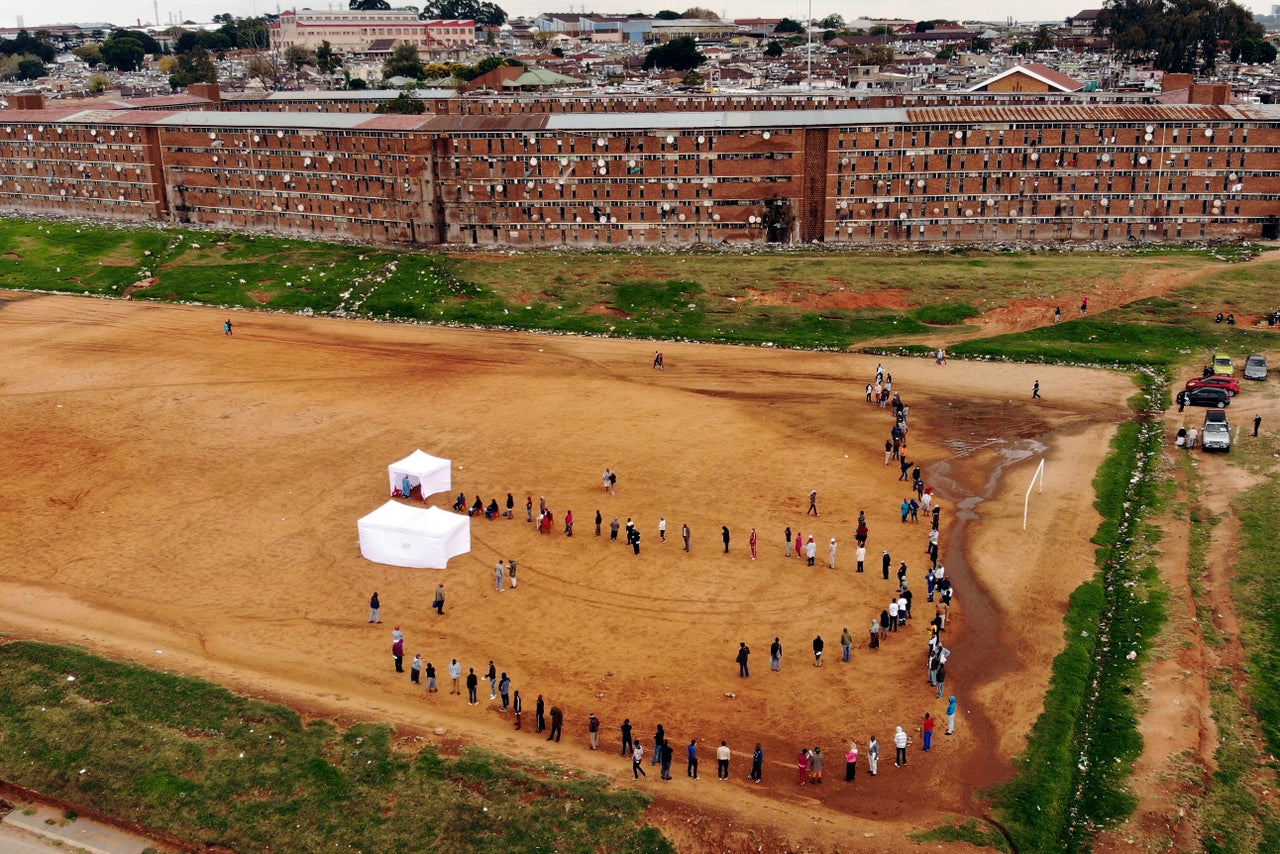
{"points": [[191, 758]]}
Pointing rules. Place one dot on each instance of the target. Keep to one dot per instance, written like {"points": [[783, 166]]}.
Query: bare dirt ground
{"points": [[189, 501]]}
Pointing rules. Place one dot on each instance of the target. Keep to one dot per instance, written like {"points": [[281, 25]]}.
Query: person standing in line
{"points": [[723, 755], [941, 675], [799, 545], [499, 573], [846, 642], [906, 509], [744, 652], [692, 770], [397, 652], [885, 560], [375, 606], [893, 615], [810, 551], [937, 515], [875, 634], [517, 706], [415, 670], [862, 557], [455, 673], [557, 724], [438, 602], [685, 534], [813, 504], [613, 530], [851, 763], [775, 655], [659, 736], [593, 730], [873, 756], [605, 477], [511, 573], [817, 651], [926, 730], [528, 508], [951, 715], [1035, 390], [1257, 422], [599, 521], [888, 451], [787, 536], [751, 541], [662, 528], [504, 690], [635, 541], [613, 483], [724, 535], [802, 766], [473, 682], [492, 676], [568, 523], [431, 678], [539, 713], [831, 554], [637, 761], [816, 763], [627, 743], [900, 746], [511, 507], [757, 763], [668, 753]]}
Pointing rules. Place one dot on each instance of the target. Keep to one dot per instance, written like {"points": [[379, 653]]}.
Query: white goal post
{"points": [[1026, 504]]}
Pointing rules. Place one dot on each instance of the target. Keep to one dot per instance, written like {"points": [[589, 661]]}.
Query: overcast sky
{"points": [[130, 12]]}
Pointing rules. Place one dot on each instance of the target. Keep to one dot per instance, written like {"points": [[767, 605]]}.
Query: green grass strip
{"points": [[1071, 780], [191, 758]]}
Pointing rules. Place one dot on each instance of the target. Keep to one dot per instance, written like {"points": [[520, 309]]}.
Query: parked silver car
{"points": [[1216, 436], [1255, 367]]}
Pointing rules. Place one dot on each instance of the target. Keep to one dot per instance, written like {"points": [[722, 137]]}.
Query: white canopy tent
{"points": [[432, 473], [399, 535]]}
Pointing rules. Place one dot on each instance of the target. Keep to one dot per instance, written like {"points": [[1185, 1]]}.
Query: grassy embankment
{"points": [[807, 299], [189, 757]]}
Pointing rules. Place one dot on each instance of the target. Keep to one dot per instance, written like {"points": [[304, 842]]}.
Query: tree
{"points": [[403, 62], [356, 84], [786, 25], [99, 84], [404, 104], [677, 55], [880, 30], [979, 44], [123, 54], [89, 53], [1044, 39], [30, 68], [25, 44], [773, 50], [327, 59], [1180, 36], [368, 5], [1022, 47], [488, 14], [194, 67], [149, 45], [832, 22], [926, 26], [693, 78], [947, 53], [297, 57], [667, 15], [265, 68], [697, 13]]}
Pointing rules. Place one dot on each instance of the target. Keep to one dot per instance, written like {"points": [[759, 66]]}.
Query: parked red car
{"points": [[1223, 381]]}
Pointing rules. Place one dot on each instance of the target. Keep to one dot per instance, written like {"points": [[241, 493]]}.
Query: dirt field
{"points": [[189, 501]]}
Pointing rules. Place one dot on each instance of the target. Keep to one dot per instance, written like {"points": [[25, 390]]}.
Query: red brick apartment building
{"points": [[881, 176]]}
